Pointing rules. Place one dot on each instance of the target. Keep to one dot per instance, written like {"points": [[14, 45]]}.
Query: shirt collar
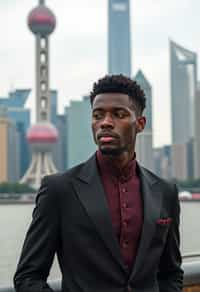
{"points": [[108, 168]]}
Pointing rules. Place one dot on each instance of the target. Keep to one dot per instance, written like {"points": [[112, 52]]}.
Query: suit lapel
{"points": [[152, 200], [91, 194]]}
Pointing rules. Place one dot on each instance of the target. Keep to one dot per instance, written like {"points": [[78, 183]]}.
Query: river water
{"points": [[14, 221]]}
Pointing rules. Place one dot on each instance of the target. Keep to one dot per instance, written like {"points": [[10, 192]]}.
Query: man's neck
{"points": [[122, 160]]}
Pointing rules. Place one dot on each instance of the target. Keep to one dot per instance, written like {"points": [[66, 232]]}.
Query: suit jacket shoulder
{"points": [[168, 188], [84, 170], [152, 176]]}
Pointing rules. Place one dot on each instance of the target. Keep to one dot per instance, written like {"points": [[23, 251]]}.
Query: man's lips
{"points": [[106, 137]]}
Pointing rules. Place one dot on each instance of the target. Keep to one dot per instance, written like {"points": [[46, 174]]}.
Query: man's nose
{"points": [[107, 122]]}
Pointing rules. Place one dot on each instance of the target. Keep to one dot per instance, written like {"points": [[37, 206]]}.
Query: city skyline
{"points": [[79, 49]]}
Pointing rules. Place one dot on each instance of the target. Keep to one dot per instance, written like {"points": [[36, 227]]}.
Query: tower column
{"points": [[43, 135], [42, 79]]}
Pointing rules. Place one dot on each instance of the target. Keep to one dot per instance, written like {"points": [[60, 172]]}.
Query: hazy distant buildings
{"points": [[179, 162], [80, 143], [60, 150], [144, 150], [59, 121], [183, 65], [197, 134], [175, 161], [144, 144], [9, 149], [119, 43], [146, 86], [54, 106], [162, 161], [20, 116]]}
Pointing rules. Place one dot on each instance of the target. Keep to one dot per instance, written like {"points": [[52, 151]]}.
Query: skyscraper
{"points": [[119, 40], [54, 106], [9, 155], [144, 144], [197, 134], [146, 87], [80, 143], [60, 149], [183, 65], [20, 116]]}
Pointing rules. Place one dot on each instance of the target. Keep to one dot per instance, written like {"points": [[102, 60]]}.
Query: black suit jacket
{"points": [[71, 218]]}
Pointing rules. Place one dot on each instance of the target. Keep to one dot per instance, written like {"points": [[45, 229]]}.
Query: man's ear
{"points": [[140, 124]]}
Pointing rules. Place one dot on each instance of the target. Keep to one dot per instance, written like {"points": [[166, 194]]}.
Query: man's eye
{"points": [[120, 114], [97, 116]]}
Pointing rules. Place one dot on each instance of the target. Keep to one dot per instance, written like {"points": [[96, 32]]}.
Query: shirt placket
{"points": [[124, 207]]}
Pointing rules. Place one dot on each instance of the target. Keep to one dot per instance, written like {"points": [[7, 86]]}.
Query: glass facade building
{"points": [[59, 121], [54, 107], [119, 43], [146, 87], [20, 116], [80, 143], [183, 67], [60, 149], [9, 149], [144, 144], [197, 134], [14, 147]]}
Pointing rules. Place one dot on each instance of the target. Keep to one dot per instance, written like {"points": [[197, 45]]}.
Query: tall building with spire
{"points": [[183, 67], [43, 135], [119, 37]]}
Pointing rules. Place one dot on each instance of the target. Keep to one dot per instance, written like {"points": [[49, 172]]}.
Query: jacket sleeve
{"points": [[40, 243], [170, 274]]}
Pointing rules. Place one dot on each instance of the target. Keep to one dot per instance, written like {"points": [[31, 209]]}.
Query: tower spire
{"points": [[43, 135]]}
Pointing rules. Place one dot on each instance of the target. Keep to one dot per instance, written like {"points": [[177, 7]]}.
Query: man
{"points": [[113, 224]]}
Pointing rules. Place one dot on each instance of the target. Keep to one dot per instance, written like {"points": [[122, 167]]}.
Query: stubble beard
{"points": [[112, 152]]}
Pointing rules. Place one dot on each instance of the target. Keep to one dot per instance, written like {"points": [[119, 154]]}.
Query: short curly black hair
{"points": [[121, 84]]}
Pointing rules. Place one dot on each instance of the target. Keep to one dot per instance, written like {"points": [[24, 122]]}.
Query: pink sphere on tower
{"points": [[41, 20], [42, 137], [42, 133]]}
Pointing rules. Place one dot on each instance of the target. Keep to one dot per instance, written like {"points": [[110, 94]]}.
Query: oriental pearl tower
{"points": [[43, 135]]}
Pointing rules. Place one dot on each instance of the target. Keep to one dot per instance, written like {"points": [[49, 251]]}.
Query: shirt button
{"points": [[125, 244], [127, 268], [125, 224], [125, 205]]}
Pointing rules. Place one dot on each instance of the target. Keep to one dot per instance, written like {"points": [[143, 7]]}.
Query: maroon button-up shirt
{"points": [[122, 189]]}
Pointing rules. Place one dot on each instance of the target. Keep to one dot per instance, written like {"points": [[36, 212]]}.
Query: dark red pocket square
{"points": [[164, 221]]}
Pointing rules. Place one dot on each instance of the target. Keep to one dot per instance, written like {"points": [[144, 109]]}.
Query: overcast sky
{"points": [[79, 48]]}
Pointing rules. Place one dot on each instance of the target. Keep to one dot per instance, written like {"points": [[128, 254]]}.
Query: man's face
{"points": [[114, 123]]}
